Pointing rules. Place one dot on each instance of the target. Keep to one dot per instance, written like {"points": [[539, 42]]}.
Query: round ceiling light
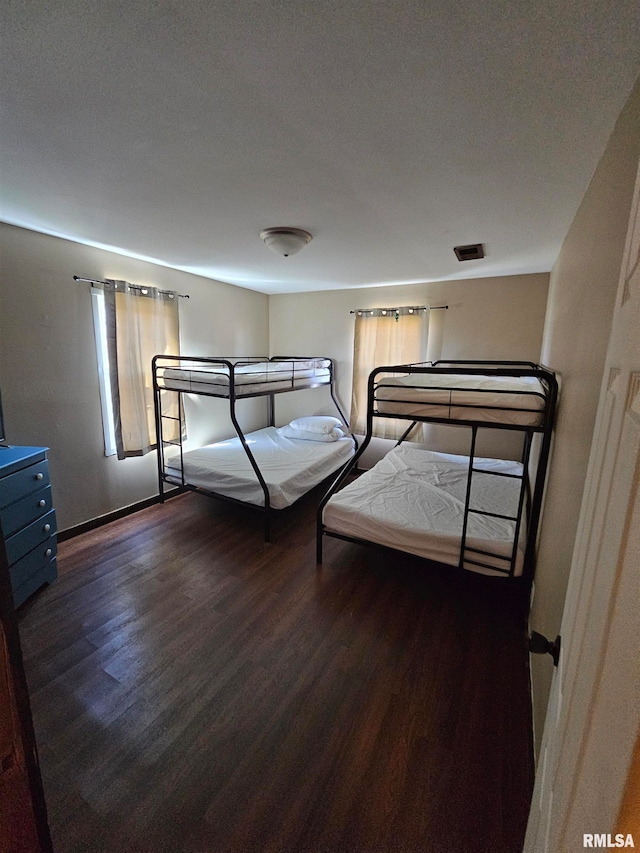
{"points": [[285, 241]]}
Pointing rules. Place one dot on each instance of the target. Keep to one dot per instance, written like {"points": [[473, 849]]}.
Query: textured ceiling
{"points": [[392, 131]]}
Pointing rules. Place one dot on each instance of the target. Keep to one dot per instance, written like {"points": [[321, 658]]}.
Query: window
{"points": [[104, 379], [132, 324], [384, 336]]}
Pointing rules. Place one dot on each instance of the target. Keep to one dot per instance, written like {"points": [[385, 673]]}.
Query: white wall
{"points": [[492, 318], [577, 326], [48, 374]]}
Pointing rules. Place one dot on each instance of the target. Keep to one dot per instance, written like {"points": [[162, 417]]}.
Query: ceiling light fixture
{"points": [[285, 241]]}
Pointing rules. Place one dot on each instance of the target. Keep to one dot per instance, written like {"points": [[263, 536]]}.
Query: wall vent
{"points": [[469, 253]]}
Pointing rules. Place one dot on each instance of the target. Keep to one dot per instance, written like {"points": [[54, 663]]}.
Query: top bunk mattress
{"points": [[290, 467], [413, 500], [512, 400], [247, 378]]}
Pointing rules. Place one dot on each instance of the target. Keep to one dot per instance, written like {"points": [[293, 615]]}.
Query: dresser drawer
{"points": [[23, 482], [32, 571], [47, 574], [23, 512], [30, 536]]}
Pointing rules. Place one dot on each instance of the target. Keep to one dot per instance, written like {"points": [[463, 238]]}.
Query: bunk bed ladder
{"points": [[163, 442], [467, 551]]}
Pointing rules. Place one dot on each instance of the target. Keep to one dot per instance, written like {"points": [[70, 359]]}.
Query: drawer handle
{"points": [[48, 552], [47, 528], [42, 502], [39, 476]]}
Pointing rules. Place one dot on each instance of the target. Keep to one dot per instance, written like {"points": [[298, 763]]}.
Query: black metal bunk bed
{"points": [[232, 379], [477, 395]]}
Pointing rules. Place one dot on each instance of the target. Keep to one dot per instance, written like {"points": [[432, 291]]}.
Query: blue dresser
{"points": [[28, 519]]}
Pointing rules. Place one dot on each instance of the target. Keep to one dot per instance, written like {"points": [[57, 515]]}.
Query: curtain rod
{"points": [[431, 308], [135, 286]]}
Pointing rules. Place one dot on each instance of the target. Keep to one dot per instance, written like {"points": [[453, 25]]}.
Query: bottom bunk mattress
{"points": [[290, 467], [413, 500]]}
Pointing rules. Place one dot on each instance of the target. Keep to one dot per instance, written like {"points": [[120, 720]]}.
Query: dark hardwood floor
{"points": [[195, 690]]}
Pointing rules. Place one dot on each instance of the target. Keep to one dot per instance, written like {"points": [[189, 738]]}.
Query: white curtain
{"points": [[141, 322], [384, 336]]}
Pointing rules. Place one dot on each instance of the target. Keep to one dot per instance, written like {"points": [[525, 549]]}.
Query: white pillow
{"points": [[308, 435], [317, 423]]}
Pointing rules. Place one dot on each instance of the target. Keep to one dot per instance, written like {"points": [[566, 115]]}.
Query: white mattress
{"points": [[253, 378], [463, 397], [290, 467], [413, 500]]}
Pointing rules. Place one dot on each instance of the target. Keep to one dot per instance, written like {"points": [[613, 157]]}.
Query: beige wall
{"points": [[581, 297], [491, 318], [48, 373]]}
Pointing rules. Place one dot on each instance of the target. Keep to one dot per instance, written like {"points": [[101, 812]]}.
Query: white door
{"points": [[594, 707]]}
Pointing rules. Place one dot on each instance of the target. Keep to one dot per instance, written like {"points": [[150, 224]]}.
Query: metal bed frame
{"points": [[227, 366], [533, 498]]}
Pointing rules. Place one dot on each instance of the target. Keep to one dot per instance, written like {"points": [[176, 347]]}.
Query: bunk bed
{"points": [[269, 468], [470, 512]]}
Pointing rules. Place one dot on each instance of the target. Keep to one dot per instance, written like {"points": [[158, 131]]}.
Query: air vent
{"points": [[469, 253]]}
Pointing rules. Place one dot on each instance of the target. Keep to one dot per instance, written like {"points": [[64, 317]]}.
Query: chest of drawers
{"points": [[27, 519]]}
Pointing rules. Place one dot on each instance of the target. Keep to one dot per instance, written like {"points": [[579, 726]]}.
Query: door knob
{"points": [[539, 645]]}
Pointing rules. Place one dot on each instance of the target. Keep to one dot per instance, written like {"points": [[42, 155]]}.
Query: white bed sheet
{"points": [[471, 397], [413, 500], [253, 378], [290, 467]]}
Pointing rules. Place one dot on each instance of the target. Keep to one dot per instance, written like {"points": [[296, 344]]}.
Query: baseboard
{"points": [[94, 523]]}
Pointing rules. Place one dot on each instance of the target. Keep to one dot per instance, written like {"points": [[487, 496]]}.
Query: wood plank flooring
{"points": [[195, 690]]}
